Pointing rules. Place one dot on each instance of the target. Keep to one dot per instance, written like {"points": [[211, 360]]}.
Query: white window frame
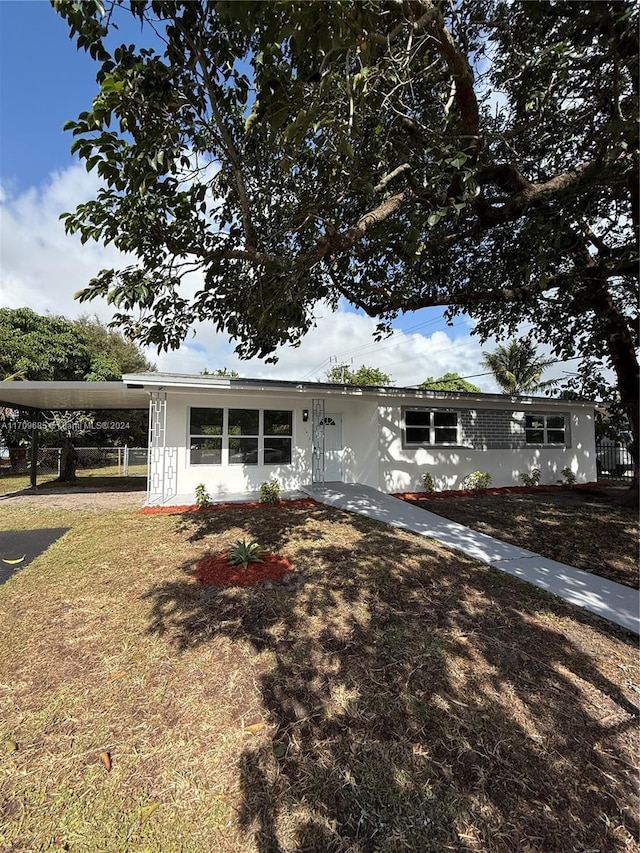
{"points": [[431, 412], [225, 436], [544, 416]]}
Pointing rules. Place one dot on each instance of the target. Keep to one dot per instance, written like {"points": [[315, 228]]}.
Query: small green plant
{"points": [[203, 498], [569, 478], [532, 479], [427, 482], [270, 492], [477, 480], [242, 553]]}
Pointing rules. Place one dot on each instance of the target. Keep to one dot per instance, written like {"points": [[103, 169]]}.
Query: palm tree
{"points": [[517, 367]]}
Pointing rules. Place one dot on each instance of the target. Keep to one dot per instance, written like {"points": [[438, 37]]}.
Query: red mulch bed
{"points": [[174, 510], [503, 490], [217, 571]]}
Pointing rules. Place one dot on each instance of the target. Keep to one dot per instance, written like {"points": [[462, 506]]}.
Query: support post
{"points": [[35, 434]]}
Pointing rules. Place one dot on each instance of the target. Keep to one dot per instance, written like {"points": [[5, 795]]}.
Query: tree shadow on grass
{"points": [[417, 701]]}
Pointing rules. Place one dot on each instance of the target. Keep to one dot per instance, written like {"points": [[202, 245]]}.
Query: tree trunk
{"points": [[625, 365], [18, 459], [68, 461]]}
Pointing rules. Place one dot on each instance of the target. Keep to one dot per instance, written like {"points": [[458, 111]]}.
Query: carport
{"points": [[38, 397]]}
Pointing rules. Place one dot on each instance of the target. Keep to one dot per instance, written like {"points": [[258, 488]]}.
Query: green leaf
{"points": [[346, 148]]}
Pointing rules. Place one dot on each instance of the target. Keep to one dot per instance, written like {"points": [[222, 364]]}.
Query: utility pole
{"points": [[343, 366]]}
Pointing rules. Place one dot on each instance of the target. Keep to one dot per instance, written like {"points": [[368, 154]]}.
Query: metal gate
{"points": [[317, 457]]}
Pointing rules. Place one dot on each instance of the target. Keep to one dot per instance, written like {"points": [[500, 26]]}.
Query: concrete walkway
{"points": [[613, 601]]}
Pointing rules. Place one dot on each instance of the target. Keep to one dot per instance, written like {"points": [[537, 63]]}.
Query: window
{"points": [[244, 436], [278, 429], [251, 436], [545, 429], [429, 426], [205, 431]]}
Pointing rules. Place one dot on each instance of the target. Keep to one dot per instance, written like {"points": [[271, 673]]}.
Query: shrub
{"points": [[532, 479], [243, 552], [203, 498], [270, 492], [569, 478], [427, 482], [477, 480]]}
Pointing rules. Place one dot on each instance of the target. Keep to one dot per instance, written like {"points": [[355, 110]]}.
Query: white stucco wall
{"points": [[401, 468], [359, 439], [373, 451], [225, 479]]}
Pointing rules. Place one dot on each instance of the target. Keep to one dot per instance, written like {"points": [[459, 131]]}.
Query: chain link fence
{"points": [[92, 461]]}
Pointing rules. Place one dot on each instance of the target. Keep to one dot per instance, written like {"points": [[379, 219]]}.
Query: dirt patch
{"points": [[221, 507], [445, 494], [218, 571], [80, 499], [582, 527]]}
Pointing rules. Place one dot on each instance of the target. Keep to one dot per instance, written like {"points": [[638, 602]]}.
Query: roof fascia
{"points": [[186, 383]]}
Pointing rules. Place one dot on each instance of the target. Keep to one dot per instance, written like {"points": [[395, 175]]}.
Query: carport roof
{"points": [[72, 395]]}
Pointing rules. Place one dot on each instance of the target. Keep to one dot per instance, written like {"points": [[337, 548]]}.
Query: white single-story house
{"points": [[234, 434]]}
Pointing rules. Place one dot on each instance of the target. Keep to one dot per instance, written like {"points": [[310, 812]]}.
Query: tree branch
{"points": [[527, 193], [462, 74], [333, 242], [419, 25], [391, 176], [464, 94], [232, 154]]}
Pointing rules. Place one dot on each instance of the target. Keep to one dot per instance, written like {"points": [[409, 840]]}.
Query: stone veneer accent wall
{"points": [[492, 429]]}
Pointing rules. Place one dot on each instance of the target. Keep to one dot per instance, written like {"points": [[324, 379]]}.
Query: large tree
{"points": [[46, 347], [112, 354], [41, 347], [480, 155]]}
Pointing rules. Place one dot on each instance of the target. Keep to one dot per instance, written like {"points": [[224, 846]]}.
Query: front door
{"points": [[333, 447]]}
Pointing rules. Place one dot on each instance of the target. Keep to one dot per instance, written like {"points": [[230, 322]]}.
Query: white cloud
{"points": [[42, 267], [408, 357]]}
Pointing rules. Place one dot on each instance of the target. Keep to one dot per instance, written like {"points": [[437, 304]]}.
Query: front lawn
{"points": [[404, 698], [90, 479], [580, 527], [10, 482]]}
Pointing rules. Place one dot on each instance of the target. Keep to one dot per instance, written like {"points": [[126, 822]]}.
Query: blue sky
{"points": [[44, 81]]}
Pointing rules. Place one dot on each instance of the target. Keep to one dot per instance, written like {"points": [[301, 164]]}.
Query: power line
{"points": [[362, 349], [491, 373]]}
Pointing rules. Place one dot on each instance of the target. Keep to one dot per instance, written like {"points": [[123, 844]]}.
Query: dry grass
{"points": [[93, 480], [10, 482], [405, 698], [586, 529]]}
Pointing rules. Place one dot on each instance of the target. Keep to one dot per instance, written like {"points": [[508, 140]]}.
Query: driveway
{"points": [[18, 548]]}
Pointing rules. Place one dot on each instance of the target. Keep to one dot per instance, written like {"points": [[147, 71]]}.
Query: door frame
{"points": [[318, 443], [339, 451]]}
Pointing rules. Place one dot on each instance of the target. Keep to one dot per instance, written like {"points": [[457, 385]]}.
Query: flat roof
{"points": [[188, 382], [134, 390]]}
